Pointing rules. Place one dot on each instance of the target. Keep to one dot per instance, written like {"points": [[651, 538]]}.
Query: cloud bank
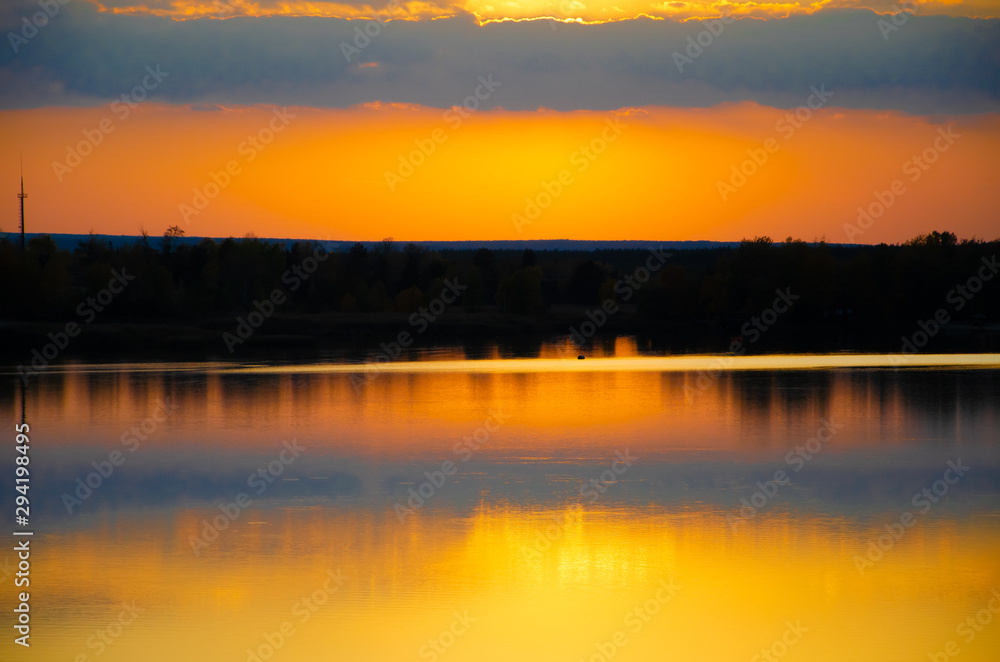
{"points": [[928, 64]]}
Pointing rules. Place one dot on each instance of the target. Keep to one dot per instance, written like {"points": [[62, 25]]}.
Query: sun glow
{"points": [[554, 11], [358, 173]]}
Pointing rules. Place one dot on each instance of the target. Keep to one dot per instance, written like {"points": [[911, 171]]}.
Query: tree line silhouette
{"points": [[862, 283]]}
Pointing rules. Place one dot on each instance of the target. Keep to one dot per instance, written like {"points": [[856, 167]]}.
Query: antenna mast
{"points": [[22, 195]]}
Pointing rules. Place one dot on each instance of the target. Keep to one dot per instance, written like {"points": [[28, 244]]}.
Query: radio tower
{"points": [[22, 195]]}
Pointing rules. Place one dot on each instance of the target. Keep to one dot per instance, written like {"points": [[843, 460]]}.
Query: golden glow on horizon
{"points": [[331, 173], [487, 11]]}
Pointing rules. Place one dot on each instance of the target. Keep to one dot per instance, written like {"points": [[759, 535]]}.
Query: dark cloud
{"points": [[931, 64]]}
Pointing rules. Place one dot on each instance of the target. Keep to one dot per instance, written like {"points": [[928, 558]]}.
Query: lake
{"points": [[624, 507]]}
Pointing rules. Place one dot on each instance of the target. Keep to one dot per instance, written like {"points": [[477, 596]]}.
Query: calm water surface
{"points": [[620, 508]]}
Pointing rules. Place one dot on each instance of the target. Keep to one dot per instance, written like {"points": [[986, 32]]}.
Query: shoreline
{"points": [[478, 334]]}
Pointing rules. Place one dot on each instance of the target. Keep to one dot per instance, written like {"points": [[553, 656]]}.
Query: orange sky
{"points": [[324, 174]]}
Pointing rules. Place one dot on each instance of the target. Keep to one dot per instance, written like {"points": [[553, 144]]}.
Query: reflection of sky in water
{"points": [[547, 573]]}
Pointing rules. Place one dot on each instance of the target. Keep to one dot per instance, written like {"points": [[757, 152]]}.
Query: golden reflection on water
{"points": [[557, 413], [542, 584], [545, 574]]}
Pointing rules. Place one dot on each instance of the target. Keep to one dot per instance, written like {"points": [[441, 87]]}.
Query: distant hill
{"points": [[70, 242]]}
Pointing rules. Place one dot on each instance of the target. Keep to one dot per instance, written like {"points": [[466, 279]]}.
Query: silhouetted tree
{"points": [[173, 232], [725, 285]]}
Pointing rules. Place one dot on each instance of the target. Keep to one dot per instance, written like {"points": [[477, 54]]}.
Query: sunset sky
{"points": [[632, 120]]}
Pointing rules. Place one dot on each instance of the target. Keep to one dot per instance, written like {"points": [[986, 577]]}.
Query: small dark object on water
{"points": [[581, 357]]}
